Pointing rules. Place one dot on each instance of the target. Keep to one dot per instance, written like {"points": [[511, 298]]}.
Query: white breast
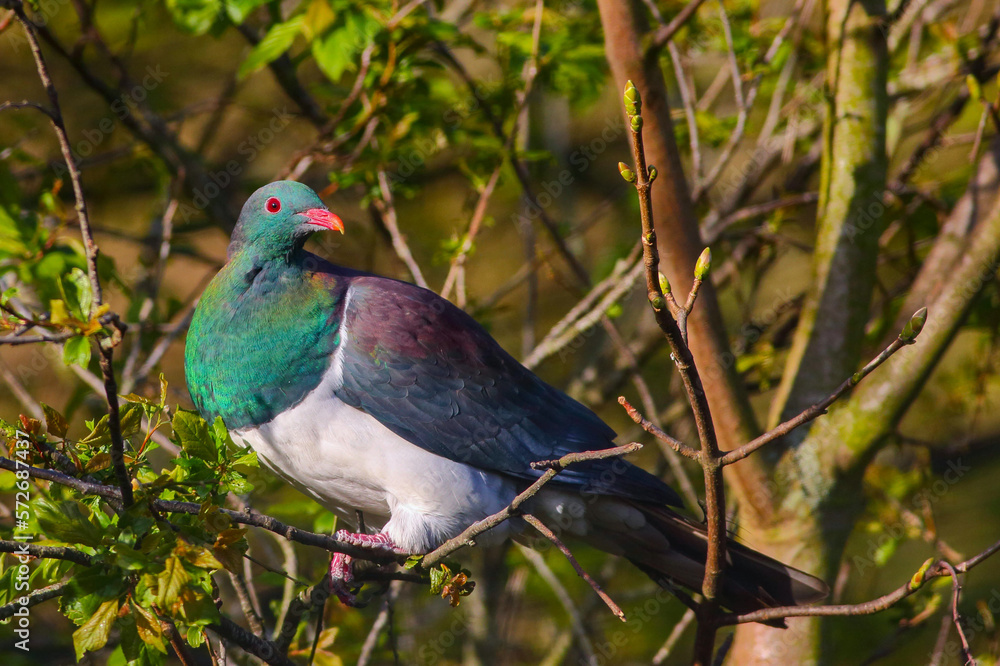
{"points": [[346, 460]]}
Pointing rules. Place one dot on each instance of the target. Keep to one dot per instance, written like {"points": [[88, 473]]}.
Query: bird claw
{"points": [[342, 579]]}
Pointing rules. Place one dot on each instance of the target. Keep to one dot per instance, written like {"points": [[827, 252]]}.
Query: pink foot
{"points": [[342, 581]]}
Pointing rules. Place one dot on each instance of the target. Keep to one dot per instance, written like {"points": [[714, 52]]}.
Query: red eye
{"points": [[273, 205]]}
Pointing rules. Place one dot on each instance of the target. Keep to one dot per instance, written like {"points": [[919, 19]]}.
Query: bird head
{"points": [[279, 217]]}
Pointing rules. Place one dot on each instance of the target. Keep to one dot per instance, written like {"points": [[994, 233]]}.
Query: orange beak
{"points": [[324, 218]]}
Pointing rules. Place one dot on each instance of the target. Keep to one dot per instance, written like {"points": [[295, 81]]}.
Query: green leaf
{"points": [[97, 463], [55, 422], [93, 635], [77, 351], [148, 627], [135, 397], [192, 434], [83, 296], [333, 53], [277, 40], [249, 459], [69, 521], [195, 16], [238, 10], [170, 582]]}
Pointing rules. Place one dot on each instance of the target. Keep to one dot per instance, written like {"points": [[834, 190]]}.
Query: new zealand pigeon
{"points": [[372, 394]]}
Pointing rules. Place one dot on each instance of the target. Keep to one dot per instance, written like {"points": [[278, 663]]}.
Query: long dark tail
{"points": [[752, 580]]}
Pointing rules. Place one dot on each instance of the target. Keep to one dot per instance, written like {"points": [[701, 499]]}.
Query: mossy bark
{"points": [[827, 344]]}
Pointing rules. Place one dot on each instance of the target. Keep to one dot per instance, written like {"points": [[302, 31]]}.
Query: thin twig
{"points": [[654, 430], [665, 33], [956, 587], [46, 552], [387, 209], [675, 635], [243, 595], [381, 624], [576, 622], [709, 455], [926, 573], [813, 411], [457, 266], [551, 536]]}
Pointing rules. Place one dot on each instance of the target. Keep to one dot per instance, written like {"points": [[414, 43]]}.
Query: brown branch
{"points": [[551, 536], [245, 517], [15, 339], [259, 647], [46, 552], [647, 425], [106, 345], [665, 33], [34, 598], [929, 571], [956, 591], [818, 409], [386, 207]]}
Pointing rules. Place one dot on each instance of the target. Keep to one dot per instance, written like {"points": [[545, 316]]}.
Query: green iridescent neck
{"points": [[262, 336]]}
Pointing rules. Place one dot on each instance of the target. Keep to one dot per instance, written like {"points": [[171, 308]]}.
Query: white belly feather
{"points": [[346, 460]]}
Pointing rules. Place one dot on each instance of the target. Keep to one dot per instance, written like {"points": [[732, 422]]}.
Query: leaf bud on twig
{"points": [[913, 327], [626, 172], [633, 101], [664, 283], [704, 264]]}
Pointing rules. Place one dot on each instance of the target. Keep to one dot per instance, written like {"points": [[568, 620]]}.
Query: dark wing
{"points": [[431, 374]]}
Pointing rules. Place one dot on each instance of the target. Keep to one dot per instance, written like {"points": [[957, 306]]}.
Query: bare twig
{"points": [[818, 409], [665, 33], [551, 536], [929, 571], [259, 647], [381, 624], [387, 209], [683, 360], [457, 267], [249, 612], [654, 430], [675, 635], [575, 619], [956, 586]]}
